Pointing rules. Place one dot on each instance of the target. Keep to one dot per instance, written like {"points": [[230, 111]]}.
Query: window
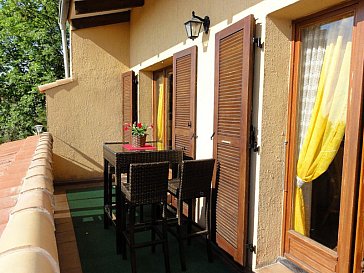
{"points": [[324, 140], [323, 87]]}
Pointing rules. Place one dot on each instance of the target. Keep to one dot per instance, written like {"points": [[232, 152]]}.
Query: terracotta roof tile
{"points": [[8, 202], [15, 158], [9, 191], [4, 215]]}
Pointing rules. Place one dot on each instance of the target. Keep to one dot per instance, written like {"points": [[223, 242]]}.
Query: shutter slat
{"points": [[232, 119], [233, 60], [182, 78], [128, 111], [184, 96], [230, 72], [183, 143]]}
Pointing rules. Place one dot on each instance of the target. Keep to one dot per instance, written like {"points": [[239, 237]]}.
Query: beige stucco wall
{"points": [[86, 112], [159, 24], [274, 104]]}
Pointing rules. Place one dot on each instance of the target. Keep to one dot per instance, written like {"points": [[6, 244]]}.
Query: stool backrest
{"points": [[174, 157], [196, 176], [148, 182]]}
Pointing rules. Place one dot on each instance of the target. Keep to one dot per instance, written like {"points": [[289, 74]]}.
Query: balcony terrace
{"points": [[80, 242]]}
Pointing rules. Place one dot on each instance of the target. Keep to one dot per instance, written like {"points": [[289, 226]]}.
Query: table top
{"points": [[117, 155], [119, 147]]}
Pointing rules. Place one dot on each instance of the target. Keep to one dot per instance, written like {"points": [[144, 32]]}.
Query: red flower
{"points": [[140, 125], [126, 128], [151, 126]]}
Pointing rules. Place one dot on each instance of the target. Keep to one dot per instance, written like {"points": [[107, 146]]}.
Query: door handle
{"points": [[212, 136], [189, 124]]}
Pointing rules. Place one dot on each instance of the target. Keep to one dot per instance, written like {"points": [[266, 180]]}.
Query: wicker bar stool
{"points": [[109, 205], [148, 184], [195, 182], [174, 158]]}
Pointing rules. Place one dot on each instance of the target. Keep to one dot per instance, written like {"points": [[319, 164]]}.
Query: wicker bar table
{"points": [[117, 156]]}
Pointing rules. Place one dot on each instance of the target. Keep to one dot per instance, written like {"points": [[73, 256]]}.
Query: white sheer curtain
{"points": [[312, 56], [324, 134]]}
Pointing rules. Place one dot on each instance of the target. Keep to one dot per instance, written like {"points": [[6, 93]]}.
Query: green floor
{"points": [[97, 245]]}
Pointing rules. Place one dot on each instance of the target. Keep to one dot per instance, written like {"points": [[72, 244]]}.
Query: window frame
{"points": [[341, 260]]}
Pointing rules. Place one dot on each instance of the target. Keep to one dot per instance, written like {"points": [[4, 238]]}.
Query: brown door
{"points": [[129, 104], [233, 88], [184, 101]]}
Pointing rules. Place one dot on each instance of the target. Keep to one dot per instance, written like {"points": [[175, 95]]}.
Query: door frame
{"points": [[164, 72], [340, 261], [359, 242]]}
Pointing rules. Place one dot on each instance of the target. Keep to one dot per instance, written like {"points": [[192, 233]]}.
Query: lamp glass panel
{"points": [[188, 28], [195, 28]]}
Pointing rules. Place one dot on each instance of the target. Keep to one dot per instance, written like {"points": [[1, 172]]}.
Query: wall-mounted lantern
{"points": [[193, 26]]}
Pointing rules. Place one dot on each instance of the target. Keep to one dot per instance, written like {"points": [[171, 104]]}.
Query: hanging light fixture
{"points": [[193, 26]]}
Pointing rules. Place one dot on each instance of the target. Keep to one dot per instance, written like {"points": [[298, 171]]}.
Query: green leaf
{"points": [[30, 55]]}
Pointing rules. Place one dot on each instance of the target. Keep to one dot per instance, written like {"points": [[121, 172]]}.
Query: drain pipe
{"points": [[62, 19]]}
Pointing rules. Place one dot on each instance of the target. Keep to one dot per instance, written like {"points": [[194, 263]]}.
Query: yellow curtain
{"points": [[160, 117], [328, 120]]}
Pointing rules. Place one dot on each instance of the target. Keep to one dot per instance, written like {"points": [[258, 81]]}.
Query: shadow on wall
{"points": [[114, 39], [284, 26], [76, 171], [65, 87], [82, 154]]}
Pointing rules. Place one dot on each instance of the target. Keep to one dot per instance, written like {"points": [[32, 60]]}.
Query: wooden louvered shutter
{"points": [[233, 84], [184, 101], [129, 106]]}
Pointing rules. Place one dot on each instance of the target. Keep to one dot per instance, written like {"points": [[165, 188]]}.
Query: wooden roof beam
{"points": [[90, 6], [101, 20]]}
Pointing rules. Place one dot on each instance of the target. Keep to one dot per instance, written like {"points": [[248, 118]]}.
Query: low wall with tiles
{"points": [[28, 243]]}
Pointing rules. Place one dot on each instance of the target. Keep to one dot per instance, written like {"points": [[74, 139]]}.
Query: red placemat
{"points": [[132, 148]]}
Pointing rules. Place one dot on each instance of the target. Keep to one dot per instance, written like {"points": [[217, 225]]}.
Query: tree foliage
{"points": [[30, 55]]}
